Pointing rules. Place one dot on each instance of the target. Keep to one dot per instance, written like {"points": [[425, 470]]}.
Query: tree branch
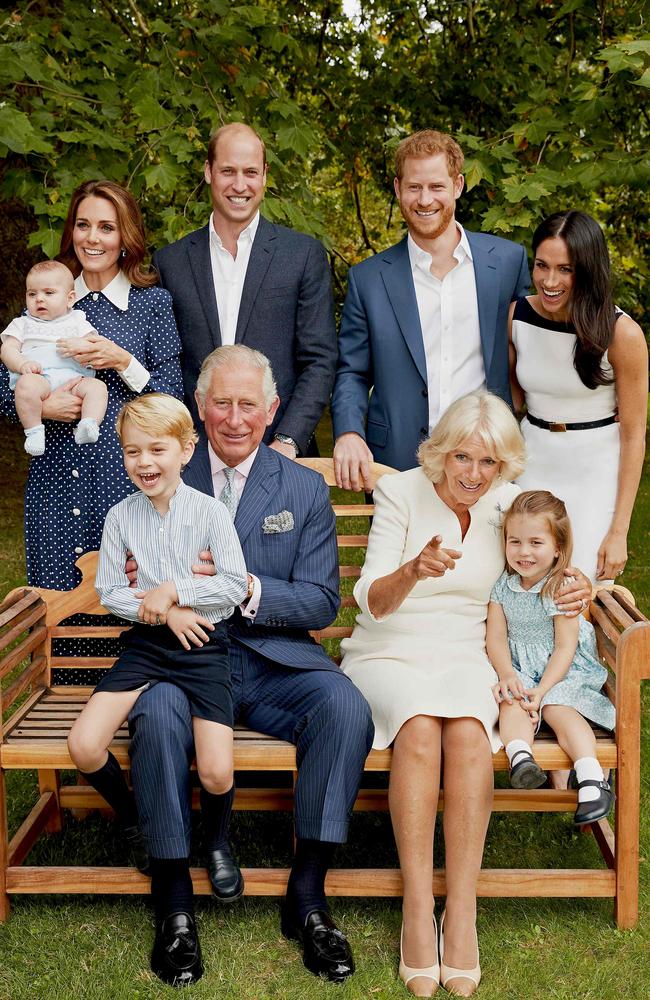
{"points": [[362, 225]]}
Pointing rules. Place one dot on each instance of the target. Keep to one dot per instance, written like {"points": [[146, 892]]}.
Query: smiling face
{"points": [[153, 462], [427, 195], [236, 413], [554, 279], [97, 241], [469, 471], [530, 547], [237, 177], [49, 295]]}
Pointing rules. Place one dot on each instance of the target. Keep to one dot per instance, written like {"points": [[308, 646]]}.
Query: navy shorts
{"points": [[153, 654]]}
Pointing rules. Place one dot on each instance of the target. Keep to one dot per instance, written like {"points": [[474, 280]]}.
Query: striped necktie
{"points": [[229, 495]]}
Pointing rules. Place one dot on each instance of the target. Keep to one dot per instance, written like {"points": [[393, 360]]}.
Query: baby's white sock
{"points": [[588, 769], [514, 745], [35, 440], [87, 431]]}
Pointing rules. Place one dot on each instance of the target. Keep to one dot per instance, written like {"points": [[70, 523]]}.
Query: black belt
{"points": [[550, 425]]}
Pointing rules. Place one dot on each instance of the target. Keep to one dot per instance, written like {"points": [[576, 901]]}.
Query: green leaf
{"points": [[18, 135], [47, 239], [164, 175], [475, 171], [151, 115], [297, 138]]}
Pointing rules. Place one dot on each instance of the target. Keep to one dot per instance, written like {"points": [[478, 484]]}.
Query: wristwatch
{"points": [[285, 439]]}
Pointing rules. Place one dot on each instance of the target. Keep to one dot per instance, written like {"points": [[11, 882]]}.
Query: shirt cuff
{"points": [[186, 593], [135, 375], [249, 608]]}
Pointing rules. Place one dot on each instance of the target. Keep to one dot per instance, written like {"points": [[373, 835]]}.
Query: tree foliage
{"points": [[548, 99]]}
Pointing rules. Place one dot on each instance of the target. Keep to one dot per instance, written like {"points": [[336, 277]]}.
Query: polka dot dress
{"points": [[71, 487]]}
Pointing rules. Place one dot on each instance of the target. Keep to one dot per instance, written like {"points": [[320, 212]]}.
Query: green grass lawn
{"points": [[59, 948]]}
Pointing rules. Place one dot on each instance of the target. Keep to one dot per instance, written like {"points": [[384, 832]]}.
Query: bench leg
{"points": [[50, 781], [4, 850]]}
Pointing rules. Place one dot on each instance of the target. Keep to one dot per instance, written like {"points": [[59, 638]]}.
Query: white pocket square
{"points": [[274, 524]]}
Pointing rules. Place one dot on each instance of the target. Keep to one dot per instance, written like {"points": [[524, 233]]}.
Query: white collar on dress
{"points": [[514, 583], [116, 291]]}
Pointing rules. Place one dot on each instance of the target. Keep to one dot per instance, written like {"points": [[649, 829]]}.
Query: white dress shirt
{"points": [[135, 375], [229, 274], [448, 311], [242, 472]]}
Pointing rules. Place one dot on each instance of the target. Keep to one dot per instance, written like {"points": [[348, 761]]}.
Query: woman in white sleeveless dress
{"points": [[581, 367]]}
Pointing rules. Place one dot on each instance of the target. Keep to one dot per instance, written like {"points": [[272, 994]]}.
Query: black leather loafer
{"points": [[225, 877], [137, 850], [176, 955], [589, 812], [326, 951]]}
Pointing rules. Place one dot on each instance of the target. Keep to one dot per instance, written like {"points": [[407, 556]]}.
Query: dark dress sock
{"points": [[109, 781], [215, 816], [171, 887], [306, 886]]}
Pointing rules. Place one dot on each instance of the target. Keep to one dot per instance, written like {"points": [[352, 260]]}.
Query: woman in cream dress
{"points": [[418, 655]]}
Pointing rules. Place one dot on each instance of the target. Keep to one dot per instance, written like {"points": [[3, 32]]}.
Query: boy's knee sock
{"points": [[109, 781], [215, 816], [306, 887], [588, 769], [171, 887]]}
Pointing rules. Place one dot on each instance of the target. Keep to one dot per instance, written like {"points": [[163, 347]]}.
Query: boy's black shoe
{"points": [[326, 951], [176, 955], [225, 876]]}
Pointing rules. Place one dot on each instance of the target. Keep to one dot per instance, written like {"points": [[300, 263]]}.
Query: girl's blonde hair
{"points": [[157, 413], [541, 503], [483, 415]]}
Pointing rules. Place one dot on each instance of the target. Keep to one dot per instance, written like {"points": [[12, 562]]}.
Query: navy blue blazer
{"points": [[381, 346], [298, 569], [286, 312]]}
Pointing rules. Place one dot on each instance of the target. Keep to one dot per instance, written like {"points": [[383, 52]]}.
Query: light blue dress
{"points": [[531, 637]]}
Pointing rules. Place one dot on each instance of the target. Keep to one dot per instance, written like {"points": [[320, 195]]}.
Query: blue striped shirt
{"points": [[165, 548]]}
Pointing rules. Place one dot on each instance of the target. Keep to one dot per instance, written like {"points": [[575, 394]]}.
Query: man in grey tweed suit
{"points": [[243, 279], [283, 683]]}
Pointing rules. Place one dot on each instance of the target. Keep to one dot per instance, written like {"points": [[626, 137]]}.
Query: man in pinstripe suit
{"points": [[284, 684]]}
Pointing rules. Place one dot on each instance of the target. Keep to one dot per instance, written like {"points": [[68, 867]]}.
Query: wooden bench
{"points": [[34, 737]]}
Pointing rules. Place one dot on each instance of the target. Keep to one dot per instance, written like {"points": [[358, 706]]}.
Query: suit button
{"points": [[425, 393]]}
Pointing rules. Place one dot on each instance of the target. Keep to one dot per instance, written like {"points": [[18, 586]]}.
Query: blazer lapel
{"points": [[198, 252], [398, 281], [263, 482], [198, 473], [258, 264], [486, 274]]}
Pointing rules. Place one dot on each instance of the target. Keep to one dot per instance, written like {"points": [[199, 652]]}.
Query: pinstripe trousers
{"points": [[320, 711]]}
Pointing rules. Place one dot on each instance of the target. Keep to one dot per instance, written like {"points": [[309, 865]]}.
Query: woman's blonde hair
{"points": [[157, 413], [482, 415], [541, 503]]}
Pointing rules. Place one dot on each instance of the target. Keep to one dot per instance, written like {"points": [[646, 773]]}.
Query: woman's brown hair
{"points": [[129, 220], [541, 503]]}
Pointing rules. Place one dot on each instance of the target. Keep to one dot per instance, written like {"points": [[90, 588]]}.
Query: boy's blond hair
{"points": [[157, 413], [63, 273]]}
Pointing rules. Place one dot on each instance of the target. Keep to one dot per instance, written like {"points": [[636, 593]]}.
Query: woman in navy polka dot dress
{"points": [[70, 488]]}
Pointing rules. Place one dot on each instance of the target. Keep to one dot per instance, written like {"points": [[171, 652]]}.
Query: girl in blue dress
{"points": [[547, 663], [70, 489]]}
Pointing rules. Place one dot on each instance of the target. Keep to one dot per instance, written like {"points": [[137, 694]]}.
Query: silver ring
{"points": [[158, 618], [584, 603]]}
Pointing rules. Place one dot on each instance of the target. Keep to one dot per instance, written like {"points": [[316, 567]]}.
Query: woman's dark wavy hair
{"points": [[592, 312], [129, 220]]}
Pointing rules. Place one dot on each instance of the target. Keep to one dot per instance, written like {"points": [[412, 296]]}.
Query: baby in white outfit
{"points": [[29, 350]]}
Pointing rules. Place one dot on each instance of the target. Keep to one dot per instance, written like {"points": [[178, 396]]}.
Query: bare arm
{"points": [[11, 356], [518, 397], [628, 356], [498, 651], [387, 593], [564, 650]]}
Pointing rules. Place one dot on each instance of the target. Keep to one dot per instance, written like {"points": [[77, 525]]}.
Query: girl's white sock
{"points": [[588, 769], [514, 745], [35, 440]]}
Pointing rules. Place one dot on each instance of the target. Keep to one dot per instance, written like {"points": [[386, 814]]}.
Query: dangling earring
{"points": [[123, 252]]}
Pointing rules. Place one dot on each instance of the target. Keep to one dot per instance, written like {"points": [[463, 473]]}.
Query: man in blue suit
{"points": [[425, 322], [283, 683], [243, 279]]}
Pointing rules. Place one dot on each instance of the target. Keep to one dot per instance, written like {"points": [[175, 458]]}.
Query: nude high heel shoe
{"points": [[406, 974], [448, 973]]}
